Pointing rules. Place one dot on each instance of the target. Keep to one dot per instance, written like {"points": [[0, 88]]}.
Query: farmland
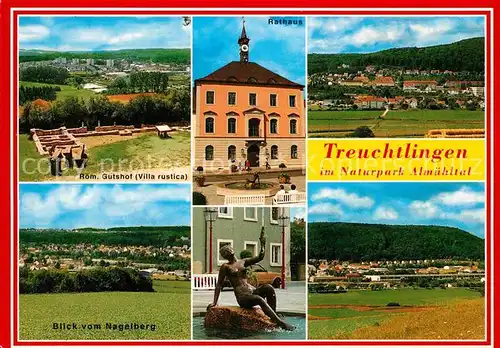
{"points": [[422, 314], [397, 123], [112, 154], [168, 308]]}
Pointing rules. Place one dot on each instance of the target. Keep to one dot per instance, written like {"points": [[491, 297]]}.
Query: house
{"points": [[477, 91], [245, 111], [422, 85], [369, 102], [384, 81], [240, 228]]}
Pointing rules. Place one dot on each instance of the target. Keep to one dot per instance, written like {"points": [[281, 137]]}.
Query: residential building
{"points": [[477, 91], [384, 81], [246, 112], [423, 85], [369, 102], [240, 227]]}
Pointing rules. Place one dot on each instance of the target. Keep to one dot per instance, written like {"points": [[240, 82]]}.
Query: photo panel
{"points": [[396, 77], [249, 110], [104, 98], [397, 261], [104, 262], [249, 273]]}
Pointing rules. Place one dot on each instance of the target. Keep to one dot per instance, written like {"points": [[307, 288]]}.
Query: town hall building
{"points": [[247, 112]]}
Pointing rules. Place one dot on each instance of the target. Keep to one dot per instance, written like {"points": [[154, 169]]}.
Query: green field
{"points": [[168, 308], [140, 153], [66, 90], [397, 123], [339, 315]]}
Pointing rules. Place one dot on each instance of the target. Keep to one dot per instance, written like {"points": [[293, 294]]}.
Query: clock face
{"points": [[244, 48]]}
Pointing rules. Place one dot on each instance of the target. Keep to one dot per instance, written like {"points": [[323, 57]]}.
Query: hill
{"points": [[464, 55], [157, 236], [154, 55], [357, 242]]}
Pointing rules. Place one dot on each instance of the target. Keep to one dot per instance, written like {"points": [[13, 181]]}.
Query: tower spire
{"points": [[244, 42]]}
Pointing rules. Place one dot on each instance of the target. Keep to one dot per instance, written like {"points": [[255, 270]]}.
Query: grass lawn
{"points": [[349, 315], [140, 153], [66, 90], [396, 122], [168, 308]]}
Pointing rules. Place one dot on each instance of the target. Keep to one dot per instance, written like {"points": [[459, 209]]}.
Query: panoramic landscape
{"points": [[104, 103], [124, 273], [387, 265], [415, 77], [250, 129]]}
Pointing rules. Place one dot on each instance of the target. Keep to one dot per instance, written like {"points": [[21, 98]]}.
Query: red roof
{"points": [[419, 83], [384, 80], [247, 73]]}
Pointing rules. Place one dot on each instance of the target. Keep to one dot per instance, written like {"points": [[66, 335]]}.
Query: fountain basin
{"points": [[267, 189]]}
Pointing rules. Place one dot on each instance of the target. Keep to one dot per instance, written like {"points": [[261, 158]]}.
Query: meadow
{"points": [[456, 313], [168, 308], [396, 123], [136, 153], [65, 92]]}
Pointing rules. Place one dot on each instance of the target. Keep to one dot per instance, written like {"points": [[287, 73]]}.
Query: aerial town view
{"points": [[396, 261], [396, 77], [110, 102], [249, 112], [244, 257], [102, 262]]}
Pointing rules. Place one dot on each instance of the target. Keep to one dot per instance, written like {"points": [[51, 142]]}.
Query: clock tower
{"points": [[244, 42]]}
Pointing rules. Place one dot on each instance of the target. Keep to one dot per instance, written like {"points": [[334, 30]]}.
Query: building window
{"points": [[220, 244], [293, 126], [292, 100], [275, 254], [294, 154], [210, 97], [251, 246], [275, 213], [274, 126], [209, 153], [273, 100], [231, 152], [231, 98], [225, 212], [250, 214], [231, 125], [209, 125], [252, 99], [274, 152]]}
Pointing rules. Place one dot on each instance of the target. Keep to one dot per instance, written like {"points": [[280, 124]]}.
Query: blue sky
{"points": [[102, 33], [370, 34], [447, 204], [280, 48], [103, 205]]}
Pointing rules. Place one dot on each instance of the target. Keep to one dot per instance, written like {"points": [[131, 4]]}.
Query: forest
{"points": [[154, 55], [364, 242], [171, 107], [44, 74], [464, 55], [154, 236], [91, 280], [27, 94]]}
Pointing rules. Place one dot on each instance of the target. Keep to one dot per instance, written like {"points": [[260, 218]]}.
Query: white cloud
{"points": [[463, 197], [298, 213], [33, 32], [351, 200], [369, 35], [385, 213], [424, 209], [467, 216], [326, 208]]}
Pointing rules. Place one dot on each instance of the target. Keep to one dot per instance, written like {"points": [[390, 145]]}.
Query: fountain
{"points": [[249, 187]]}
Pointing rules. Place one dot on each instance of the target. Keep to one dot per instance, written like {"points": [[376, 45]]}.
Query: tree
{"points": [[297, 242], [362, 132]]}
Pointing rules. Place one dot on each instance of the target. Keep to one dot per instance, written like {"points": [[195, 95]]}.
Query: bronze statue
{"points": [[253, 183], [247, 295]]}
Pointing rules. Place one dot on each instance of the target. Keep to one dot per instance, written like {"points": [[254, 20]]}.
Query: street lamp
{"points": [[283, 222], [210, 216]]}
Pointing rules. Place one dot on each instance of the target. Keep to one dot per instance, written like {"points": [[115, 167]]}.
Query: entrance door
{"points": [[253, 155]]}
